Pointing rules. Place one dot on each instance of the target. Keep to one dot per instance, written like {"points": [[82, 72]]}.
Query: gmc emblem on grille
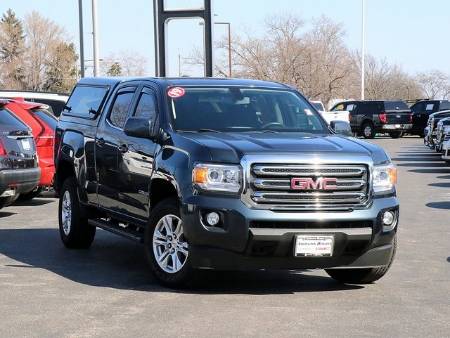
{"points": [[309, 183]]}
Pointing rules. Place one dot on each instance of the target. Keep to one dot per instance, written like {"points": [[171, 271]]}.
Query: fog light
{"points": [[212, 218], [388, 218]]}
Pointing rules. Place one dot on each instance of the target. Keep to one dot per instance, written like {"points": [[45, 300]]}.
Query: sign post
{"points": [[163, 16]]}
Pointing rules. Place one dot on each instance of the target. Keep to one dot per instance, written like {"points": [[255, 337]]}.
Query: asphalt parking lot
{"points": [[48, 291]]}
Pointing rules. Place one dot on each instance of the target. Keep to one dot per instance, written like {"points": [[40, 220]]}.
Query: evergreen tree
{"points": [[12, 41], [115, 69]]}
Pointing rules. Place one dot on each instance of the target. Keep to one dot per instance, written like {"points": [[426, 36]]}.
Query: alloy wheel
{"points": [[170, 248]]}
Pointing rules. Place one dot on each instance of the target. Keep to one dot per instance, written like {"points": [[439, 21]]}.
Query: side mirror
{"points": [[341, 128], [139, 127]]}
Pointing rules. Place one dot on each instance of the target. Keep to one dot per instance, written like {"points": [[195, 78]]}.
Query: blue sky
{"points": [[411, 33]]}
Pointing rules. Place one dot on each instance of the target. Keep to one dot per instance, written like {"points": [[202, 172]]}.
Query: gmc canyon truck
{"points": [[222, 174]]}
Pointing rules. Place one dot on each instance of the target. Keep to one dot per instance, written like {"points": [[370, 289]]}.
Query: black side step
{"points": [[115, 229]]}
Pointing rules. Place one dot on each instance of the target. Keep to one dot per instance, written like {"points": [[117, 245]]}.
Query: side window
{"points": [[350, 107], [146, 107], [120, 109], [418, 107], [338, 107], [429, 107], [85, 101]]}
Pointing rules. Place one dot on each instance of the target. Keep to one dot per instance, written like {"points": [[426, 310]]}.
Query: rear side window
{"points": [[120, 109], [47, 118], [146, 107], [445, 105], [395, 105], [85, 101], [6, 118], [338, 107]]}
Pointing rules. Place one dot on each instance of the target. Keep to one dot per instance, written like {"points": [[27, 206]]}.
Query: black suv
{"points": [[421, 112], [222, 174], [370, 117]]}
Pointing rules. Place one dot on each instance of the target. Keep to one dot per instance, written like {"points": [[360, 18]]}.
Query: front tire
{"points": [[166, 248], [362, 276], [74, 230]]}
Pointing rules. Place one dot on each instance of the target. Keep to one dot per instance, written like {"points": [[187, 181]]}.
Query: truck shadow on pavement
{"points": [[4, 214], [32, 203], [118, 263], [439, 205]]}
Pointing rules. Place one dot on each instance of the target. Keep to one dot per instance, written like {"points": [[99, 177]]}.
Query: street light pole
{"points": [[80, 23], [363, 47], [229, 45], [95, 38]]}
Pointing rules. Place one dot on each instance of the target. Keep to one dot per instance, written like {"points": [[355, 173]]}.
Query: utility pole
{"points": [[95, 38], [80, 23], [229, 45], [363, 47]]}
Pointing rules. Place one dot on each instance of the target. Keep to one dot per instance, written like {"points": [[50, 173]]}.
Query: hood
{"points": [[229, 147]]}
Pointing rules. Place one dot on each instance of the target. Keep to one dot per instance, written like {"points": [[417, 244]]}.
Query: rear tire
{"points": [[396, 134], [368, 130], [74, 230], [362, 276], [166, 248]]}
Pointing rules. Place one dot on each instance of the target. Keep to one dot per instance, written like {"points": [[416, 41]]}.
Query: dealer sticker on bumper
{"points": [[313, 246]]}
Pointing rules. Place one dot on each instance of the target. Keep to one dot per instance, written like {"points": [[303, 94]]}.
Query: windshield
{"points": [[242, 109]]}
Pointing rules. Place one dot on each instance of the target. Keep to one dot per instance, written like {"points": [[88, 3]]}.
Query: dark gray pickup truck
{"points": [[223, 174]]}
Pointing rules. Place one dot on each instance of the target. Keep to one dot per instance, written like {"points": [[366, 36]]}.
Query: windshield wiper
{"points": [[201, 130], [207, 130]]}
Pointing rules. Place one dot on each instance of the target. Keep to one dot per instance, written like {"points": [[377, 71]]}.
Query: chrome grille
{"points": [[270, 186]]}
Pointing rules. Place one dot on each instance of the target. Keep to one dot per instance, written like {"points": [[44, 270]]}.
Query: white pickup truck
{"points": [[331, 115]]}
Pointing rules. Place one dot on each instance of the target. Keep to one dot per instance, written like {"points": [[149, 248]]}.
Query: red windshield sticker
{"points": [[176, 92]]}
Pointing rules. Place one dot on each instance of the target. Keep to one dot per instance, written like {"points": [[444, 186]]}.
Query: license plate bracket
{"points": [[313, 245]]}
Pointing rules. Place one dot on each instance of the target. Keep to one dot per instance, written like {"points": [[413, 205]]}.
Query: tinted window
{"points": [[47, 118], [120, 109], [55, 106], [244, 109], [6, 118], [445, 105], [418, 107], [395, 105], [85, 101], [146, 107], [370, 108]]}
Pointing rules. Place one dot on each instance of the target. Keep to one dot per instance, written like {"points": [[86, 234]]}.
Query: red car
{"points": [[42, 124]]}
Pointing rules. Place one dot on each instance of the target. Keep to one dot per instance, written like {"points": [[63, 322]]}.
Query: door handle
{"points": [[123, 148], [100, 141]]}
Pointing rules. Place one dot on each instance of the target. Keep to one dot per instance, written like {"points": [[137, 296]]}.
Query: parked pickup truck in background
{"points": [[222, 174], [367, 118]]}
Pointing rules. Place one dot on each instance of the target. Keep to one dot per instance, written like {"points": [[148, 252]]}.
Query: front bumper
{"points": [[19, 180], [251, 239], [446, 150]]}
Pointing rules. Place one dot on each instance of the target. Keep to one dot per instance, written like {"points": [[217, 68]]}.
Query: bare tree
{"points": [[435, 84], [131, 63]]}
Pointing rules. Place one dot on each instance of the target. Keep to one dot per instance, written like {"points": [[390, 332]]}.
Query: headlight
{"points": [[384, 178], [217, 177]]}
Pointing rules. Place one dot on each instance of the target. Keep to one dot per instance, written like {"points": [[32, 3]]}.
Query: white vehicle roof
{"points": [[33, 95]]}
